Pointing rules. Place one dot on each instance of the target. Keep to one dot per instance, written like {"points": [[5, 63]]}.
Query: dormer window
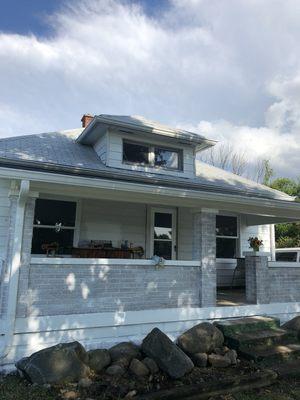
{"points": [[151, 155]]}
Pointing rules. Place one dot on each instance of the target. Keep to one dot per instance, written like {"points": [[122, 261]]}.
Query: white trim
{"points": [[284, 264], [14, 267], [113, 319], [37, 176], [109, 261], [256, 254]]}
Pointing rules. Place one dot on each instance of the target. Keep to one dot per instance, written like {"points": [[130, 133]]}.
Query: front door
{"points": [[163, 233]]}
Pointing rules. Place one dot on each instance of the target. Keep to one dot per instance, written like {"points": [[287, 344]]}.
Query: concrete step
{"points": [[263, 337], [248, 324], [279, 352]]}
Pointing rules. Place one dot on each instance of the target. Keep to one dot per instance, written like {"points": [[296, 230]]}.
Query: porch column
{"points": [[204, 249], [22, 203], [257, 277]]}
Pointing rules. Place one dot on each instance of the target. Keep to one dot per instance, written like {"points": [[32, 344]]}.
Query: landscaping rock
{"points": [[169, 357], [115, 370], [126, 350], [123, 362], [293, 324], [85, 383], [98, 359], [138, 368], [202, 338], [151, 365], [200, 359], [62, 363], [218, 361], [232, 355]]}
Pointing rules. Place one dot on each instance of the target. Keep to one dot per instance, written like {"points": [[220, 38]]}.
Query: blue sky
{"points": [[228, 69], [31, 16], [27, 16]]}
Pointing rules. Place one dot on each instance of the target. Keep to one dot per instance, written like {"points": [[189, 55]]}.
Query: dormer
{"points": [[134, 143]]}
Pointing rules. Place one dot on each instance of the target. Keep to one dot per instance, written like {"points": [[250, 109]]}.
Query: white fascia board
{"points": [[46, 177], [172, 133]]}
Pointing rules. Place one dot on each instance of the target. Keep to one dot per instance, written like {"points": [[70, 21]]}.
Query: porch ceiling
{"points": [[257, 211]]}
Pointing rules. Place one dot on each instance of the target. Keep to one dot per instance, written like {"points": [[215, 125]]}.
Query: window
{"points": [[288, 256], [53, 226], [151, 155], [135, 153], [164, 234], [227, 236], [166, 158]]}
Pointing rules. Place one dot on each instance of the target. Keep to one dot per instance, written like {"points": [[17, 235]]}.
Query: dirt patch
{"points": [[104, 387]]}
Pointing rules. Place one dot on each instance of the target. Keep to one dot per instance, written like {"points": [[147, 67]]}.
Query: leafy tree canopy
{"points": [[286, 185]]}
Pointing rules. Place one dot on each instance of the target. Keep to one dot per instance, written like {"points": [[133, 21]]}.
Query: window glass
{"points": [[54, 225], [166, 158], [163, 243], [163, 249], [163, 226], [226, 248], [226, 225], [288, 256], [135, 153], [46, 238], [51, 212]]}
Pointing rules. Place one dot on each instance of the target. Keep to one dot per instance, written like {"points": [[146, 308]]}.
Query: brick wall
{"points": [[284, 284], [204, 249], [271, 282], [71, 289]]}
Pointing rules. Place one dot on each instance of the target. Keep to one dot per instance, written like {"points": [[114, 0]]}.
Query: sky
{"points": [[228, 69]]}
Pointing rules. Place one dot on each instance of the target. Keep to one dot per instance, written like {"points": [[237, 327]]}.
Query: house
{"points": [[84, 211]]}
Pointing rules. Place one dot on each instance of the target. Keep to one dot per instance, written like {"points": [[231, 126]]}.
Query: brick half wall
{"points": [[62, 289], [284, 284]]}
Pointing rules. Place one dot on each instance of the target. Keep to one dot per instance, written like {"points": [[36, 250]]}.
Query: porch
{"points": [[64, 271], [60, 296]]}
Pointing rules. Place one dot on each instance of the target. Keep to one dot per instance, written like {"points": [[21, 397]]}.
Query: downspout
{"points": [[14, 269]]}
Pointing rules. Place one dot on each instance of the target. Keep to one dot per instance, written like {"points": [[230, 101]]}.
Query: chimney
{"points": [[86, 119]]}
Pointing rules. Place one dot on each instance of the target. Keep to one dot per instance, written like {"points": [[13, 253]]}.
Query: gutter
{"points": [[121, 175], [14, 269]]}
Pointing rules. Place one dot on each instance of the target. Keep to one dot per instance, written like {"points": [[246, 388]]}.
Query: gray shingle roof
{"points": [[59, 152]]}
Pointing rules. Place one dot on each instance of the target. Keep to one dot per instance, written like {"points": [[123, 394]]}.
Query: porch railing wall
{"points": [[64, 287]]}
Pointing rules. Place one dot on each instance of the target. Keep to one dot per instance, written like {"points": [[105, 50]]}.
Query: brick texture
{"points": [[204, 249], [72, 289]]}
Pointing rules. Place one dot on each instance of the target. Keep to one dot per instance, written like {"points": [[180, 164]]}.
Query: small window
{"points": [[227, 236], [288, 256], [166, 158], [151, 155], [54, 226], [135, 153]]}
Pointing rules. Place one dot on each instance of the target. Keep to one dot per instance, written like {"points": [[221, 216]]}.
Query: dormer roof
{"points": [[135, 124]]}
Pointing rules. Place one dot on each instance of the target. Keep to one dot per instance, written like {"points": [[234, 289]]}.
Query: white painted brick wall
{"points": [[72, 289]]}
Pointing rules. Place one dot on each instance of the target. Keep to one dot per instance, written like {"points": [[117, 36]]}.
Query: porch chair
{"points": [[239, 270]]}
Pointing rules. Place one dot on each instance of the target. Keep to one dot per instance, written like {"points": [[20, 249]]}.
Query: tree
{"points": [[286, 185], [224, 156], [287, 235]]}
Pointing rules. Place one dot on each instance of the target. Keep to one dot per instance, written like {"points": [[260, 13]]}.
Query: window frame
{"points": [[151, 155], [237, 237], [75, 228]]}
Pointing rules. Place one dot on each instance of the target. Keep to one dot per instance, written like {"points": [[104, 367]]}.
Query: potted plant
{"points": [[255, 243]]}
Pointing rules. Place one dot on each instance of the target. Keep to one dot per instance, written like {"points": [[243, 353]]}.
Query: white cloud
{"points": [[235, 64]]}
